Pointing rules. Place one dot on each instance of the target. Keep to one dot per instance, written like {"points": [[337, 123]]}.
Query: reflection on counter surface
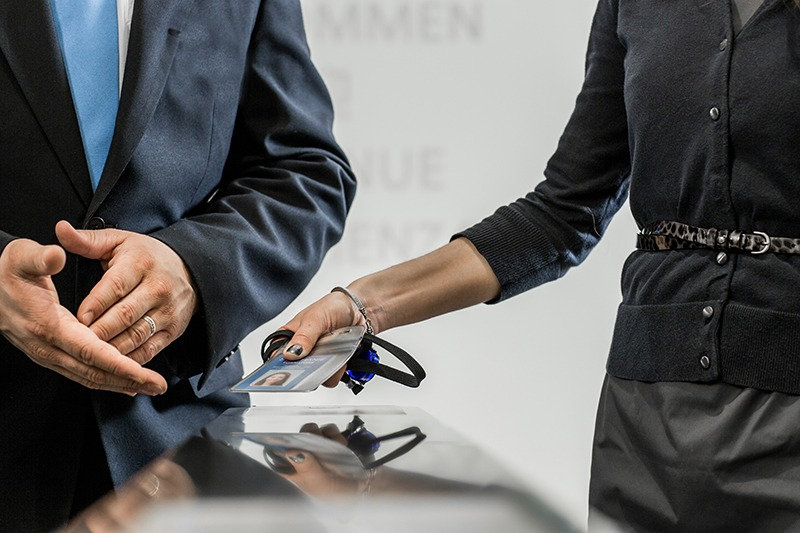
{"points": [[332, 469]]}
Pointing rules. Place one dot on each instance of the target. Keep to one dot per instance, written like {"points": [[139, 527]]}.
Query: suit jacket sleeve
{"points": [[539, 237], [281, 202], [5, 238]]}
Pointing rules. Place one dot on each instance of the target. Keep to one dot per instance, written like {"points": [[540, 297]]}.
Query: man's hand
{"points": [[144, 277], [32, 319]]}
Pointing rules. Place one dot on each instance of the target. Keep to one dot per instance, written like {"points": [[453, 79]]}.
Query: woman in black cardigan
{"points": [[692, 107]]}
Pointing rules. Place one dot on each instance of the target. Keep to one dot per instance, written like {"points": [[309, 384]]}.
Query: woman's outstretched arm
{"points": [[453, 277]]}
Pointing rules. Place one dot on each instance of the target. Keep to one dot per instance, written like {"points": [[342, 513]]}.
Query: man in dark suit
{"points": [[205, 198]]}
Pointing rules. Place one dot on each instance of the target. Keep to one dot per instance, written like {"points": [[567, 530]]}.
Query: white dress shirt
{"points": [[124, 16]]}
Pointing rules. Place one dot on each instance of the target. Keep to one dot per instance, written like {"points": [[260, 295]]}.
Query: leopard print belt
{"points": [[676, 236]]}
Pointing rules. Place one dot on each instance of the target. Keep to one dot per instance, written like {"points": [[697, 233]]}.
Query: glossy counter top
{"points": [[323, 469]]}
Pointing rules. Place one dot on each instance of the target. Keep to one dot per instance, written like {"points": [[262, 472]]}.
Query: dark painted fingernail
{"points": [[294, 349], [298, 458]]}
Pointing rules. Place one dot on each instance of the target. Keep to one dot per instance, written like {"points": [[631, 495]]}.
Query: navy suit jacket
{"points": [[222, 150]]}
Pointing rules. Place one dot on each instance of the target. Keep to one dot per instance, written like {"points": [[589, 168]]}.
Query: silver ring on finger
{"points": [[151, 323], [154, 482]]}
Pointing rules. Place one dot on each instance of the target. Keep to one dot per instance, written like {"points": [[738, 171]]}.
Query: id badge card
{"points": [[331, 352]]}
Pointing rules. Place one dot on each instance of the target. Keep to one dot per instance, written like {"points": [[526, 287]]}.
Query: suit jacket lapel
{"points": [[29, 42], [153, 41]]}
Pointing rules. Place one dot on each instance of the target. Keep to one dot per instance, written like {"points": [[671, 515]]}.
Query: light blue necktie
{"points": [[87, 30]]}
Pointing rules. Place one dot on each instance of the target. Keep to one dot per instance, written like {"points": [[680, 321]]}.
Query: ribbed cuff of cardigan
{"points": [[521, 255]]}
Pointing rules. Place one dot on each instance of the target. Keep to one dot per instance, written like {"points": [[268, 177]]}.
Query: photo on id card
{"points": [[331, 352]]}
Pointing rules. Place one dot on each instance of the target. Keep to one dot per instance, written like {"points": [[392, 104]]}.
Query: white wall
{"points": [[448, 109]]}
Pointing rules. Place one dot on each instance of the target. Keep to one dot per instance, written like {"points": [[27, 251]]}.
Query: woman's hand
{"points": [[315, 480], [311, 476], [332, 312]]}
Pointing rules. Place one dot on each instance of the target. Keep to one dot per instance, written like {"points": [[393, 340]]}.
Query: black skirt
{"points": [[696, 457]]}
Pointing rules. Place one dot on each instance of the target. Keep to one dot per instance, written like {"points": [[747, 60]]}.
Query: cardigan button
{"points": [[722, 258], [708, 312], [714, 113], [705, 362], [723, 45]]}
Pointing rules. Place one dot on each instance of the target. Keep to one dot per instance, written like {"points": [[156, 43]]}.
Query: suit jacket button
{"points": [[96, 223]]}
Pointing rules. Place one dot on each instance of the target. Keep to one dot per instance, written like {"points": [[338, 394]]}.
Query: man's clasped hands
{"points": [[105, 345]]}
